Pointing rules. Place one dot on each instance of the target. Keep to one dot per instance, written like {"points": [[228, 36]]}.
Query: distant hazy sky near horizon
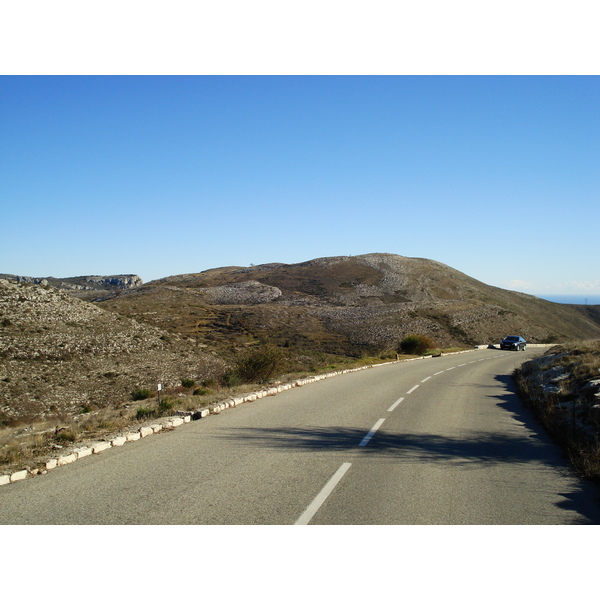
{"points": [[496, 176]]}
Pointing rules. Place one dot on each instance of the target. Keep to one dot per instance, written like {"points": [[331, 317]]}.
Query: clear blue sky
{"points": [[496, 176]]}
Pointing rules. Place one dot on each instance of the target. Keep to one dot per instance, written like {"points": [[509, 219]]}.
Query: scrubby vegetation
{"points": [[141, 394], [61, 355], [416, 344], [256, 366], [563, 390]]}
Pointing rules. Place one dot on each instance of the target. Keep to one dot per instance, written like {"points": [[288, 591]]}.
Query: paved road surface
{"points": [[438, 441]]}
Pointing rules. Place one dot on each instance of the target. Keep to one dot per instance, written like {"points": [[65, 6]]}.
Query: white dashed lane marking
{"points": [[371, 433], [314, 506], [393, 406]]}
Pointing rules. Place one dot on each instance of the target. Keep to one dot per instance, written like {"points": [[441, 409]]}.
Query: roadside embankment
{"points": [[562, 388]]}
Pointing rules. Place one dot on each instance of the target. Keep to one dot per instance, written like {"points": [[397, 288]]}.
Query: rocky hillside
{"points": [[60, 355], [87, 287], [349, 305]]}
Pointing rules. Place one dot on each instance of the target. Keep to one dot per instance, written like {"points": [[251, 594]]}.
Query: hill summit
{"points": [[349, 304]]}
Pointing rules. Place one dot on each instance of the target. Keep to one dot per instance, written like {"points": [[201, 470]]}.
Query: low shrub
{"points": [[145, 412], [258, 366], [141, 394], [65, 436], [231, 379], [188, 383], [166, 405], [416, 344], [201, 392]]}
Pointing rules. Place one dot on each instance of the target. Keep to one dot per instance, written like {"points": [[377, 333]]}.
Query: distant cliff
{"points": [[87, 287]]}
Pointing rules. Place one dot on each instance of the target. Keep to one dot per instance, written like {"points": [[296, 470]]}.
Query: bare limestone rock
{"points": [[247, 292]]}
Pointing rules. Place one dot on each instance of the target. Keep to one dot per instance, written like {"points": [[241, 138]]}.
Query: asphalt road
{"points": [[438, 441]]}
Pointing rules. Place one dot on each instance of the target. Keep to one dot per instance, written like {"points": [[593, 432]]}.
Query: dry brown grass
{"points": [[30, 446], [582, 359]]}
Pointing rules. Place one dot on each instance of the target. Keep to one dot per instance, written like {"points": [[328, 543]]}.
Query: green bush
{"points": [[231, 379], [202, 392], [65, 436], [145, 413], [141, 394], [166, 405], [258, 366], [188, 383], [415, 344]]}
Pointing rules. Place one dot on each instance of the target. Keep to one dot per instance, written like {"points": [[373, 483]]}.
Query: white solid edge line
{"points": [[314, 506], [393, 406], [371, 433]]}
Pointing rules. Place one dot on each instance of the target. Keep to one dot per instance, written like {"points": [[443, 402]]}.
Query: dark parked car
{"points": [[513, 342]]}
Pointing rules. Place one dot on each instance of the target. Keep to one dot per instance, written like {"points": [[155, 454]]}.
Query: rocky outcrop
{"points": [[563, 390], [247, 292], [83, 283], [560, 386], [22, 279], [120, 281]]}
